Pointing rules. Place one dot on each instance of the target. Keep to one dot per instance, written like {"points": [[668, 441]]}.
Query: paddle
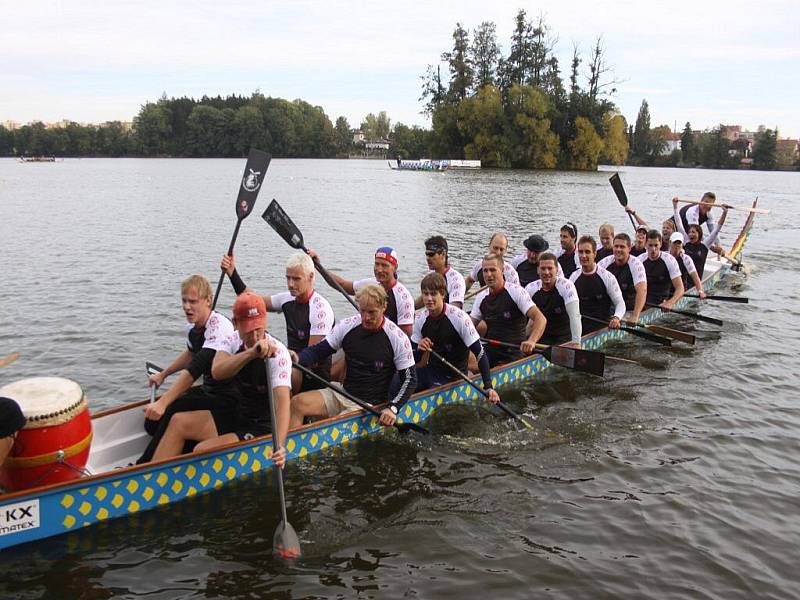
{"points": [[285, 544], [578, 359], [152, 369], [681, 336], [480, 390], [760, 211], [688, 313], [403, 427], [738, 299], [254, 172], [285, 227], [616, 183], [9, 359], [633, 331], [474, 293]]}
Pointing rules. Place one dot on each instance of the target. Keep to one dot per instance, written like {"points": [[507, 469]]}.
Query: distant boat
{"points": [[426, 164], [28, 159]]}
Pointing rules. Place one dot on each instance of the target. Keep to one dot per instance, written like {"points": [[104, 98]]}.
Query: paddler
{"points": [[694, 244], [630, 275], [557, 298], [606, 237], [11, 421], [685, 263], [662, 272], [527, 263], [451, 333], [436, 255], [498, 244], [567, 257], [504, 308], [667, 229], [308, 315], [375, 352], [697, 214], [598, 290], [241, 359]]}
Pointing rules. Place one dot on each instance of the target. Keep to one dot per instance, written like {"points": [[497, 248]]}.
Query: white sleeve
{"points": [[533, 287], [359, 283], [320, 316], [455, 286], [672, 265], [510, 273], [521, 298], [638, 273], [476, 307], [693, 215], [566, 288], [612, 287], [405, 304], [575, 322], [574, 276], [476, 269], [336, 336], [519, 259], [604, 262], [712, 237], [416, 334], [278, 300], [688, 263], [231, 344], [219, 331], [560, 270], [679, 224], [401, 345], [280, 366], [186, 331], [463, 324]]}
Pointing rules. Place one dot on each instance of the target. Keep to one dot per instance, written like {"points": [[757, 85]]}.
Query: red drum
{"points": [[54, 444]]}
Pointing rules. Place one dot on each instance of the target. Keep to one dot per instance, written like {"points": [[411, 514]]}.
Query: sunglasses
{"points": [[432, 252]]}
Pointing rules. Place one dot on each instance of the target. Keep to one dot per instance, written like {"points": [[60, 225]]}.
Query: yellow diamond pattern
{"points": [[117, 500], [204, 479], [314, 440], [67, 501], [68, 522], [217, 466], [162, 479], [102, 514], [132, 486], [177, 486], [243, 458], [84, 508], [101, 493], [148, 494], [133, 506], [191, 471], [230, 473]]}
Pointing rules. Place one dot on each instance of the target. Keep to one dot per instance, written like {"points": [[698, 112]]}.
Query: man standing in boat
{"points": [[240, 358], [697, 214], [630, 275], [662, 272], [505, 308], [308, 315], [451, 333], [694, 244], [556, 297], [436, 255], [375, 352], [598, 290], [498, 245]]}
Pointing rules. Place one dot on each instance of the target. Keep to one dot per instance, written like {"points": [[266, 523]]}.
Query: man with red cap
{"points": [[400, 304], [241, 358]]}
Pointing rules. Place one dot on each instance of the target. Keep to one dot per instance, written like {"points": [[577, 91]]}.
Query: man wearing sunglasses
{"points": [[437, 259]]}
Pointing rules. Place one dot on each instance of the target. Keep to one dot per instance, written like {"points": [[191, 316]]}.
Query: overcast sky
{"points": [[706, 62]]}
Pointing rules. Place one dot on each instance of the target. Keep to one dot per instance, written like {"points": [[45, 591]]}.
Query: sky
{"points": [[706, 62]]}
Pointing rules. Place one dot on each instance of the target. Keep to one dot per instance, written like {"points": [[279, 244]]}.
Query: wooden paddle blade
{"points": [[254, 172], [285, 543], [283, 225], [681, 336], [585, 361], [616, 183]]}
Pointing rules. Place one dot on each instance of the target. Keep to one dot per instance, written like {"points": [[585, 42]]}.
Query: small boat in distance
{"points": [[30, 159], [426, 164]]}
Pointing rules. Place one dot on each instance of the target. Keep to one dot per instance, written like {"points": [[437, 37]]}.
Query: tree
{"points": [[658, 143], [409, 142], [152, 128], [615, 143], [433, 92], [586, 147], [641, 134], [342, 137], [376, 127], [688, 145], [532, 143], [597, 69], [460, 65], [714, 148], [6, 142], [765, 152], [480, 121], [249, 131], [204, 127], [484, 54], [516, 67]]}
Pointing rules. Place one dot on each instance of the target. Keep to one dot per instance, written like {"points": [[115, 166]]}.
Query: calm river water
{"points": [[674, 479]]}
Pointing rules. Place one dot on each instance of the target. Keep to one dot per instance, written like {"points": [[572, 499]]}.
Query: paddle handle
{"points": [[230, 253], [759, 211], [331, 281], [474, 293], [633, 331], [274, 422], [688, 313]]}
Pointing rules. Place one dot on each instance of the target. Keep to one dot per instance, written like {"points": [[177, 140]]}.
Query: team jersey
{"points": [[660, 273], [303, 319], [527, 271], [599, 295], [603, 253], [203, 343], [505, 312], [509, 273], [455, 285], [452, 333], [690, 215], [400, 308], [686, 265], [698, 253], [637, 252], [628, 277], [553, 305], [569, 262]]}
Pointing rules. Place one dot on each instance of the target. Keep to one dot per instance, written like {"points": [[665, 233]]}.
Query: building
{"points": [[359, 137], [672, 142]]}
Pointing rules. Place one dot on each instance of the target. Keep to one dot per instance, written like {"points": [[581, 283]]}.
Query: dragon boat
{"points": [[113, 487]]}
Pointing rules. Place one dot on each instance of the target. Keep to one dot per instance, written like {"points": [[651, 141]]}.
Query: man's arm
{"points": [[639, 220], [181, 362], [677, 283], [537, 330], [346, 284], [641, 298]]}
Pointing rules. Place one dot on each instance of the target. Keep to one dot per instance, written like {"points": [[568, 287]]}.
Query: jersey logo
{"points": [[251, 182], [507, 314], [378, 365]]}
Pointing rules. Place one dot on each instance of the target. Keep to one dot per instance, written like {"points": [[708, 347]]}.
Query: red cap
{"points": [[249, 312]]}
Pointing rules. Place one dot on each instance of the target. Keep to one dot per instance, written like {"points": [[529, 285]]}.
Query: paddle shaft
{"points": [[331, 280], [688, 313], [274, 421], [619, 190], [737, 299], [474, 293], [152, 369], [230, 253], [760, 211], [9, 359], [633, 331]]}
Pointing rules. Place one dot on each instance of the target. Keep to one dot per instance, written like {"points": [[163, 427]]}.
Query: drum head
{"points": [[46, 401]]}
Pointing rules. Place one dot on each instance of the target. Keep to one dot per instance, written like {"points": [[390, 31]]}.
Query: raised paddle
{"points": [[737, 299], [480, 390], [403, 427], [285, 543], [688, 313], [9, 359], [254, 172], [616, 183], [633, 331], [152, 369], [675, 334], [760, 211], [285, 227], [578, 359]]}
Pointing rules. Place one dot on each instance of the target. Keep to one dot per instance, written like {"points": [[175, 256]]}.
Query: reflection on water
{"points": [[672, 478]]}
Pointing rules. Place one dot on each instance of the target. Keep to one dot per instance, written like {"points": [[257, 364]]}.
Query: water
{"points": [[672, 479]]}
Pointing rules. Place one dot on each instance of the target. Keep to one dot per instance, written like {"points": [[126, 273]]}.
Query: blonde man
{"points": [[606, 237], [498, 244]]}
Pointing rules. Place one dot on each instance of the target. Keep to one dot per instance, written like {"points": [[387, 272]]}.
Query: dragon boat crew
{"points": [[527, 263], [375, 351], [504, 308], [694, 244], [556, 297], [598, 291], [606, 236], [308, 315], [662, 272], [667, 229], [630, 274], [400, 304], [498, 244], [240, 359], [451, 333], [436, 255], [206, 331], [697, 214], [685, 264], [567, 255]]}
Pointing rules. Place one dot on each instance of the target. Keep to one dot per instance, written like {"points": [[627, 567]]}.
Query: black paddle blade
{"points": [[406, 427], [283, 225], [151, 368], [254, 172], [616, 183], [285, 543], [585, 361]]}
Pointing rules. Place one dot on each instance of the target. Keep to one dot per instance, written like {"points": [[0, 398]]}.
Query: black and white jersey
{"points": [[372, 357], [505, 312], [638, 252], [686, 265], [509, 273], [203, 343], [527, 271], [452, 333], [690, 215], [603, 253], [698, 253], [400, 308], [553, 305], [599, 295], [455, 285], [660, 273], [628, 276], [569, 262], [303, 319]]}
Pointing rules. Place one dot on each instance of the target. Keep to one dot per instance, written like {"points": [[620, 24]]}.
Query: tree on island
{"points": [[765, 152], [688, 146]]}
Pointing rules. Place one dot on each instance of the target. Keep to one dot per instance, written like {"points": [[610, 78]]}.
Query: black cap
{"points": [[536, 243], [11, 417]]}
